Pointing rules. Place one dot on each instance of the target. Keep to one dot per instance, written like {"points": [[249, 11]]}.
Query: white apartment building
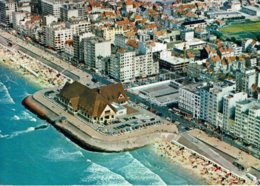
{"points": [[229, 104], [51, 7], [247, 121], [212, 101], [244, 80], [73, 10], [17, 17], [78, 45], [7, 7], [78, 27], [49, 19], [109, 33], [93, 48], [56, 35], [189, 99], [126, 66], [120, 40]]}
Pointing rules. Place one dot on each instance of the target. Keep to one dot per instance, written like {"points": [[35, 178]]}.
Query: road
{"points": [[47, 58], [87, 75]]}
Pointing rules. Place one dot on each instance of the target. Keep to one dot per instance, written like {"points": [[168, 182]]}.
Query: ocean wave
{"points": [[24, 116], [137, 171], [16, 118], [5, 95], [4, 135], [58, 154], [100, 175], [17, 133], [27, 116]]}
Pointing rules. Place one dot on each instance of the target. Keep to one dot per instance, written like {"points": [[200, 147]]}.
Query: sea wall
{"points": [[101, 142]]}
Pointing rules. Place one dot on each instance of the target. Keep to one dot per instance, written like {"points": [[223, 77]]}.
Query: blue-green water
{"points": [[29, 156]]}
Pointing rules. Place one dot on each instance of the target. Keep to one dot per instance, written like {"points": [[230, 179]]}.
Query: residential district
{"points": [[120, 74]]}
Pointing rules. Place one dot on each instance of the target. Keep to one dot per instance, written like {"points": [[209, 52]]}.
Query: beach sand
{"points": [[207, 170], [31, 69]]}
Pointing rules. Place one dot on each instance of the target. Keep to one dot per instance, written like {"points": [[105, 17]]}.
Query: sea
{"points": [[46, 156]]}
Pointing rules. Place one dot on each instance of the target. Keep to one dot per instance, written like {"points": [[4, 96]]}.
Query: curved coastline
{"points": [[94, 140]]}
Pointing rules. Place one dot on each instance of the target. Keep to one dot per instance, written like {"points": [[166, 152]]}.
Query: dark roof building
{"points": [[92, 101]]}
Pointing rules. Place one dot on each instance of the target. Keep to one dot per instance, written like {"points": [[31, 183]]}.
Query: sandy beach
{"points": [[208, 170], [31, 69]]}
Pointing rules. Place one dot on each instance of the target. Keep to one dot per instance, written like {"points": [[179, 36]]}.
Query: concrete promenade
{"points": [[242, 157], [46, 57], [87, 136]]}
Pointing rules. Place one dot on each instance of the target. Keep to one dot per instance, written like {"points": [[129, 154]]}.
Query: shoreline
{"points": [[202, 167], [31, 69]]}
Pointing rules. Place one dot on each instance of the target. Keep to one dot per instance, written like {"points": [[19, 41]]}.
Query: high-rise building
{"points": [[51, 7], [56, 35], [247, 121], [7, 7], [78, 45], [212, 101], [94, 48], [189, 99], [229, 104], [244, 81], [126, 66], [73, 10]]}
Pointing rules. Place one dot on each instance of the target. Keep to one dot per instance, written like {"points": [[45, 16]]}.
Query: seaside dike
{"points": [[88, 138]]}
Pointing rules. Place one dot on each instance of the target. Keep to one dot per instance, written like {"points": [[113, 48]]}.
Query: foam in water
{"points": [[24, 116], [16, 118], [58, 154], [100, 175], [135, 170], [17, 133], [5, 97], [27, 116]]}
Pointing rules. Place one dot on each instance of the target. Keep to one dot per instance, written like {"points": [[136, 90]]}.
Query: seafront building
{"points": [[189, 98], [126, 66], [7, 7], [245, 80], [247, 121], [136, 42], [100, 105], [211, 97], [93, 49], [229, 105]]}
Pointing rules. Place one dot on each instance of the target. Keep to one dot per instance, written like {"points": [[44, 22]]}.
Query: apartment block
{"points": [[126, 66], [94, 48], [247, 121], [7, 7], [244, 80], [212, 101]]}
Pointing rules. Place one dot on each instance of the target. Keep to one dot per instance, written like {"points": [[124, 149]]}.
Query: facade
{"points": [[245, 80], [99, 105], [78, 27], [56, 35], [173, 63], [247, 121], [78, 45], [212, 101], [51, 7], [189, 99], [73, 10], [229, 104], [94, 48], [7, 7], [126, 66], [109, 33]]}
